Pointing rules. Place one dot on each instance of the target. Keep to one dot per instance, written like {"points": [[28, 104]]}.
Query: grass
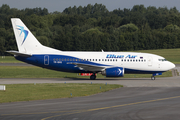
{"points": [[31, 72], [172, 55], [28, 92], [165, 74], [37, 72], [8, 59]]}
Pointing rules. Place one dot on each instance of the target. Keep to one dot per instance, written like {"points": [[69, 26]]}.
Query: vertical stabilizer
{"points": [[26, 41]]}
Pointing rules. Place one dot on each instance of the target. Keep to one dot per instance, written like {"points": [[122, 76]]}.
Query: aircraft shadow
{"points": [[108, 79]]}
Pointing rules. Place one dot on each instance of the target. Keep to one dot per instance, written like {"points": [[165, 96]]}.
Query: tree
{"points": [[128, 27], [93, 27], [172, 28], [43, 40]]}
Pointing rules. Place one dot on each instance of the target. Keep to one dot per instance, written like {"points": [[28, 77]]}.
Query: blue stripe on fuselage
{"points": [[38, 60], [133, 71]]}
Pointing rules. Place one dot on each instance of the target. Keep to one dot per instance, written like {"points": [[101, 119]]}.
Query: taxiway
{"points": [[140, 99]]}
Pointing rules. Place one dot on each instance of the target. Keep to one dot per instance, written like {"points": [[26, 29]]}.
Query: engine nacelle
{"points": [[113, 72]]}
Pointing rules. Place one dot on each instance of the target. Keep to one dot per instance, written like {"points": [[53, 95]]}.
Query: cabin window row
{"points": [[123, 60], [134, 60]]}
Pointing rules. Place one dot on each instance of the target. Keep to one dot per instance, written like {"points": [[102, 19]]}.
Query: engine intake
{"points": [[113, 72]]}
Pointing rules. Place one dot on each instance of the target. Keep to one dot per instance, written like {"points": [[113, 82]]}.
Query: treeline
{"points": [[93, 27]]}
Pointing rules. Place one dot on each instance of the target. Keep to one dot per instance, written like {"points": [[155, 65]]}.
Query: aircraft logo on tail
{"points": [[24, 31]]}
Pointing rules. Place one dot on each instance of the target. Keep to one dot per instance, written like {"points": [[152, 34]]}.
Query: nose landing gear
{"points": [[155, 74], [153, 78]]}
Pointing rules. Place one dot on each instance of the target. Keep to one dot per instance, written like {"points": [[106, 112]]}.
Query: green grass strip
{"points": [[172, 55], [37, 72], [9, 59], [28, 92]]}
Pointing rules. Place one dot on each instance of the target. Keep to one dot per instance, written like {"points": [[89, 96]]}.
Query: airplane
{"points": [[109, 64]]}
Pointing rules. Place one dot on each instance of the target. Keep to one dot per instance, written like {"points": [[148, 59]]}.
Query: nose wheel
{"points": [[93, 76], [153, 78]]}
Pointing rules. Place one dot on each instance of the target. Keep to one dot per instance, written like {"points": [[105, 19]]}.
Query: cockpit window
{"points": [[162, 59]]}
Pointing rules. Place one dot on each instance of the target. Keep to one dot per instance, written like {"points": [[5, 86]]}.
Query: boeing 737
{"points": [[109, 64]]}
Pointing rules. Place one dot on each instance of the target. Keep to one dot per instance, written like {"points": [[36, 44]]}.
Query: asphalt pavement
{"points": [[140, 99], [128, 103]]}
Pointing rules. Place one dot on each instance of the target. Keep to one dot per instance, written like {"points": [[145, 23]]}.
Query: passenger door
{"points": [[150, 61], [46, 60]]}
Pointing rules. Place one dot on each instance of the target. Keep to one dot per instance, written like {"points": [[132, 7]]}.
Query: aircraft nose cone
{"points": [[172, 65]]}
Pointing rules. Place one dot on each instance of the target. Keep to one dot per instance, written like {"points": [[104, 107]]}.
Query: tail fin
{"points": [[26, 41]]}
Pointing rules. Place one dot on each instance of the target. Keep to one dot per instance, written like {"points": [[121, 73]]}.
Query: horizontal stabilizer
{"points": [[16, 53]]}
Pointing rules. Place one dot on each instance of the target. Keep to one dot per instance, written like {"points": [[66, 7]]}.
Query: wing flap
{"points": [[89, 67]]}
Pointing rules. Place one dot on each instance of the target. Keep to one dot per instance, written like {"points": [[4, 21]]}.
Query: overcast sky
{"points": [[60, 5]]}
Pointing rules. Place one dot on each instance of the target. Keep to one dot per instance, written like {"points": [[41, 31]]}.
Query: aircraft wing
{"points": [[16, 53], [89, 67]]}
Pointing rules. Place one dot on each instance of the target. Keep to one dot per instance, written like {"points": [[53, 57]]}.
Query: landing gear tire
{"points": [[93, 77], [153, 78]]}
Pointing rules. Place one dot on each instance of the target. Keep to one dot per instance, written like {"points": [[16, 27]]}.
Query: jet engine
{"points": [[113, 72]]}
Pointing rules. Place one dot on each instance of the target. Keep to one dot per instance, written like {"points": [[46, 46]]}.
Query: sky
{"points": [[60, 5]]}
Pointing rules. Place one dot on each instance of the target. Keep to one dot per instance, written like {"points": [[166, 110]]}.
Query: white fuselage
{"points": [[128, 60]]}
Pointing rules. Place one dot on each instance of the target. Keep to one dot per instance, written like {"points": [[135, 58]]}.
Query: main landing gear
{"points": [[93, 76]]}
